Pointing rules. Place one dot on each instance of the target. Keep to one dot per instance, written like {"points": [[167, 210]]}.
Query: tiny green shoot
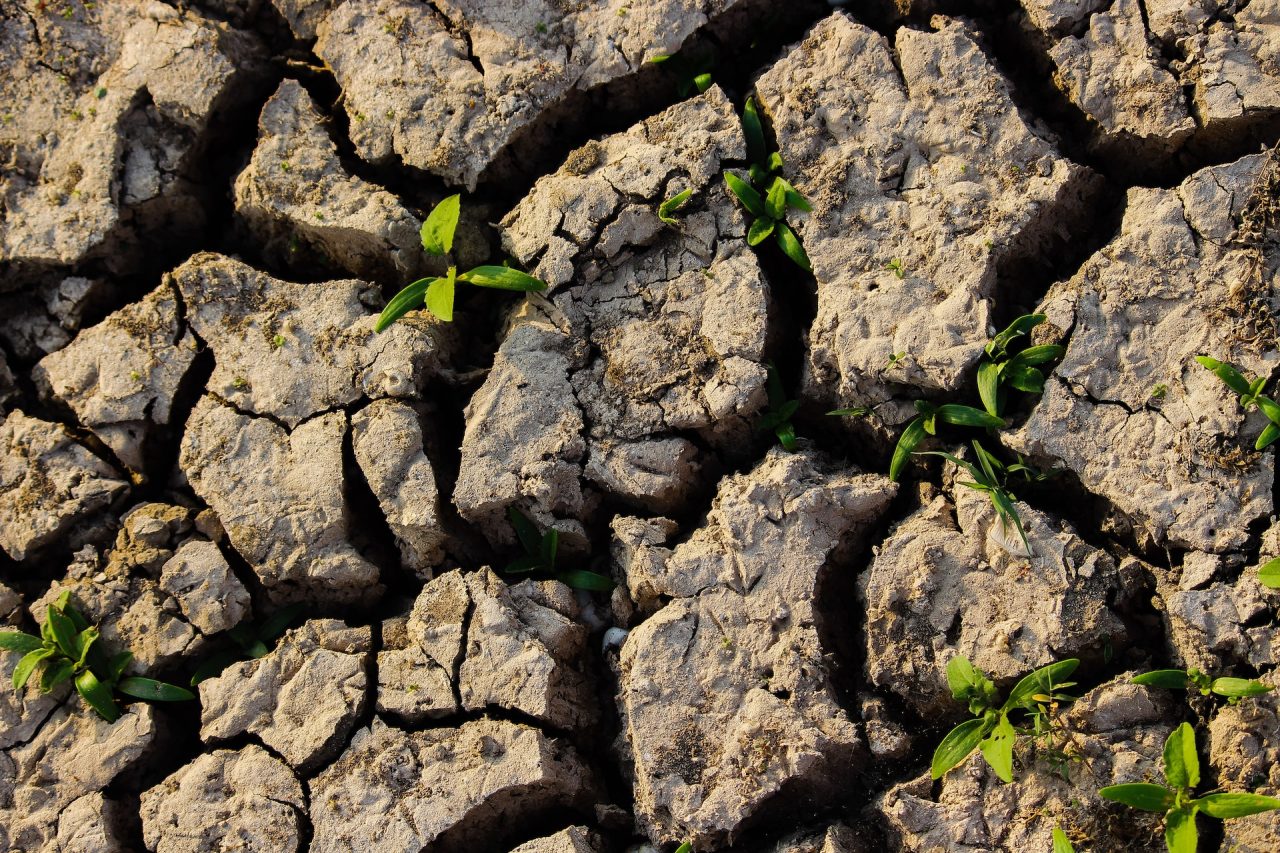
{"points": [[1232, 689], [540, 556], [671, 205], [991, 476], [1176, 800], [1160, 391], [895, 359], [1250, 393], [926, 423], [778, 416], [437, 292], [253, 639], [897, 268], [68, 650], [1002, 369]]}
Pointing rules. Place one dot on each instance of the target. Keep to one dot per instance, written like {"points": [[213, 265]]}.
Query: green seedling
{"points": [[540, 556], [690, 74], [926, 423], [1250, 395], [991, 475], [671, 205], [991, 730], [1232, 689], [68, 650], [253, 640], [437, 292], [1160, 391], [685, 848], [1061, 844], [778, 416], [851, 412], [897, 268], [1269, 574], [895, 359], [768, 196], [1001, 369], [1175, 799]]}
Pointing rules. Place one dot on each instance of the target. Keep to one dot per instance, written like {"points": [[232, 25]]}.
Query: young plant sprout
{"points": [[68, 649], [1175, 799], [991, 475], [1250, 395], [437, 293], [1000, 369], [768, 196], [926, 423], [991, 731], [540, 556], [671, 205], [254, 639], [778, 416], [690, 73], [1232, 689]]}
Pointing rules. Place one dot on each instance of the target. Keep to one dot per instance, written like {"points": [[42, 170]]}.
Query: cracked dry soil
{"points": [[204, 205]]}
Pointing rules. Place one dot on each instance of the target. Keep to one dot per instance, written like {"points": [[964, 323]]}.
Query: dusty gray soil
{"points": [[205, 204]]}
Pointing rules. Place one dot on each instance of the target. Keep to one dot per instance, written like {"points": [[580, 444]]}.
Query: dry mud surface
{"points": [[205, 204]]}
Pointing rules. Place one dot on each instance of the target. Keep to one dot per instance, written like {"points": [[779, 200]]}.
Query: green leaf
{"points": [[84, 645], [549, 546], [702, 81], [154, 691], [402, 303], [956, 746], [1140, 795], [1239, 688], [1019, 327], [97, 696], [1269, 408], [526, 531], [1042, 680], [1269, 574], [753, 130], [989, 387], [760, 228], [1267, 437], [1181, 761], [1169, 679], [746, 194], [502, 278], [997, 749], [117, 665], [55, 673], [1226, 806], [64, 632], [440, 296], [790, 245], [962, 677], [1228, 374], [786, 433], [1024, 378], [774, 163], [16, 641], [276, 624], [27, 665], [1061, 844], [685, 848], [437, 231], [954, 413], [589, 581], [1039, 354], [852, 412], [1180, 834], [673, 204], [794, 198], [775, 202], [524, 565], [907, 443]]}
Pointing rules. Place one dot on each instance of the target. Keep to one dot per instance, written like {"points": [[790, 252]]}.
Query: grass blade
{"points": [[1139, 795], [502, 278], [753, 130], [745, 193], [154, 691], [402, 303], [907, 443], [790, 245]]}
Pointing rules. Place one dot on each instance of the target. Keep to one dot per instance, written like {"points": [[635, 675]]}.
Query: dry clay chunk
{"points": [[726, 704], [48, 483], [293, 350], [296, 189], [1118, 730], [397, 790], [388, 442], [1244, 748], [74, 753], [120, 377], [641, 341], [225, 800], [44, 317], [1182, 278], [279, 495], [446, 87], [301, 699], [575, 839], [210, 595], [518, 648], [923, 181], [939, 586], [123, 97]]}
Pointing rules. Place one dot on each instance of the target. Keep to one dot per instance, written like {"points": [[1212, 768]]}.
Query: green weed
{"points": [[926, 423], [778, 416], [671, 205], [1232, 689], [540, 556], [691, 73], [991, 476], [1250, 393], [1001, 369]]}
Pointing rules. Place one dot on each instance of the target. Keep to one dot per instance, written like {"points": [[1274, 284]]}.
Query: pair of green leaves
{"points": [[1232, 689], [68, 648], [991, 475], [1175, 799], [778, 416], [691, 73], [1001, 369], [667, 209], [253, 640], [926, 423], [437, 293], [991, 731], [1250, 393], [540, 556]]}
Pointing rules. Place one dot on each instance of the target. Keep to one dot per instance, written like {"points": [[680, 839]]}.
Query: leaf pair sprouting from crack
{"points": [[1000, 369], [437, 293], [68, 648], [540, 556], [777, 416], [691, 72], [1232, 689]]}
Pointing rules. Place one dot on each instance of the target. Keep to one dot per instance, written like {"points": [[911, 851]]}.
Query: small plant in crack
{"points": [[1250, 393], [777, 417], [540, 556], [671, 205], [991, 730], [692, 72], [925, 423], [1231, 689], [1002, 369], [686, 847], [1062, 844], [1175, 799], [991, 476], [768, 196], [896, 359], [68, 649], [253, 640], [897, 267], [437, 293]]}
